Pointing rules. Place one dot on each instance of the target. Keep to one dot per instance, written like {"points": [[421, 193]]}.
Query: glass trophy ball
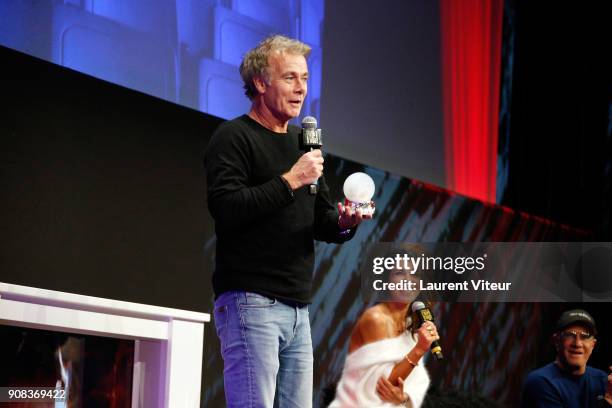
{"points": [[359, 188]]}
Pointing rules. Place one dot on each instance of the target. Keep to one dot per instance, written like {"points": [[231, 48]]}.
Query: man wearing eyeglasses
{"points": [[568, 382]]}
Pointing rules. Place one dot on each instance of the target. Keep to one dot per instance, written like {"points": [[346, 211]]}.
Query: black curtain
{"points": [[559, 146]]}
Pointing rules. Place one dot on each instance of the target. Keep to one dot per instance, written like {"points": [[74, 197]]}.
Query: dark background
{"points": [[556, 131], [101, 182]]}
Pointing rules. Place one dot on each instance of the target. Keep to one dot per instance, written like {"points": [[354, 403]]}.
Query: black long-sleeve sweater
{"points": [[264, 231]]}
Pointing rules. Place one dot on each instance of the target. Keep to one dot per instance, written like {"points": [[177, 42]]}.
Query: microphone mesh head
{"points": [[416, 306], [309, 122]]}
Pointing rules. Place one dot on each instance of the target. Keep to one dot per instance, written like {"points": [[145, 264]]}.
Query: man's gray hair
{"points": [[255, 62]]}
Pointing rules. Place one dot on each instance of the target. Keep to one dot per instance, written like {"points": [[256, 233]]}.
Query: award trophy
{"points": [[359, 190]]}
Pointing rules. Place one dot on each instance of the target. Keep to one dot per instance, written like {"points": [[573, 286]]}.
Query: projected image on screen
{"points": [[186, 52]]}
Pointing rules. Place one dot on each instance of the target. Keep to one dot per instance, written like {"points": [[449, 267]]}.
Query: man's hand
{"points": [[306, 170], [348, 217], [389, 392]]}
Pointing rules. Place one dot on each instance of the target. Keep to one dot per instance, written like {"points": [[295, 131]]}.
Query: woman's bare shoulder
{"points": [[373, 325]]}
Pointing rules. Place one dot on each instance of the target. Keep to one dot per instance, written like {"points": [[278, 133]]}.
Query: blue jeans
{"points": [[267, 351]]}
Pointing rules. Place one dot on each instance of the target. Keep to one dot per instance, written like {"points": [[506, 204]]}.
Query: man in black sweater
{"points": [[266, 221]]}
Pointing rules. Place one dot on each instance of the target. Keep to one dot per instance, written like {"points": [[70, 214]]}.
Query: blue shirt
{"points": [[549, 387]]}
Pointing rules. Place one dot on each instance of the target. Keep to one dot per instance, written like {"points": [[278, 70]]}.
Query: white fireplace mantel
{"points": [[168, 342]]}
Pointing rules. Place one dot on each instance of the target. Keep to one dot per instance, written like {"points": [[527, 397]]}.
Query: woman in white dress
{"points": [[384, 368]]}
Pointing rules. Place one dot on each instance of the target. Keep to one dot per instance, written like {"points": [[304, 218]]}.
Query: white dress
{"points": [[364, 366]]}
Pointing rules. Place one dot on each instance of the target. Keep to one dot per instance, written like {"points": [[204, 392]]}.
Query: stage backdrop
{"points": [[103, 195], [378, 64]]}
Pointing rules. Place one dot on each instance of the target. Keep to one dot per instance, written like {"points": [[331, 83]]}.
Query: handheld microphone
{"points": [[424, 315], [311, 139]]}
